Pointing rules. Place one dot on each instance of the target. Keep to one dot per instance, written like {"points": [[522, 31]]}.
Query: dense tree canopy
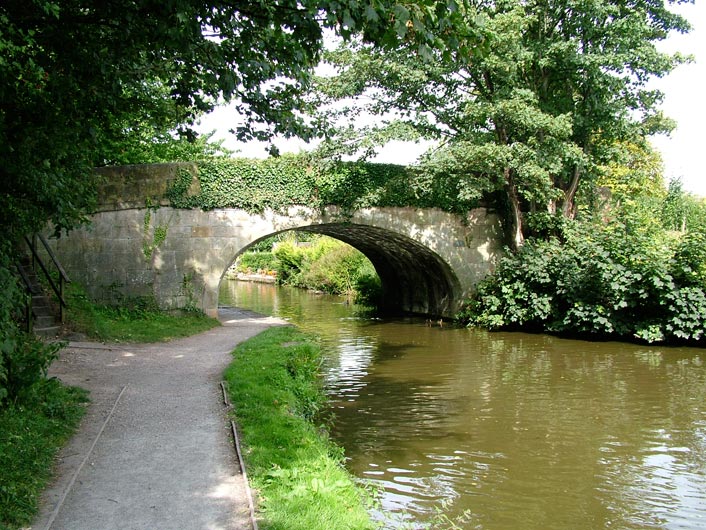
{"points": [[548, 98], [78, 79]]}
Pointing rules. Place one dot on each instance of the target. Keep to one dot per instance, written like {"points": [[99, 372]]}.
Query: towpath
{"points": [[154, 450]]}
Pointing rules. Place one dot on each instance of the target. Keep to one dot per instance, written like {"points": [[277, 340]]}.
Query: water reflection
{"points": [[512, 430]]}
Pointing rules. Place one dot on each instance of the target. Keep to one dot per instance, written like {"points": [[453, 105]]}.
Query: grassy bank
{"points": [[296, 470], [136, 320], [31, 433]]}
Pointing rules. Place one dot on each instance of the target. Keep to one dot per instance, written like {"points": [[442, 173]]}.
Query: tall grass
{"points": [[274, 384], [31, 432], [132, 320]]}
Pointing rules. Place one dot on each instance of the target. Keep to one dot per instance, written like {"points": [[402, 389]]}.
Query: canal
{"points": [[468, 429]]}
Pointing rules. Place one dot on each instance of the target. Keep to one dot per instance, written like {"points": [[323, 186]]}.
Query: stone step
{"points": [[43, 321], [46, 332], [44, 318], [41, 306]]}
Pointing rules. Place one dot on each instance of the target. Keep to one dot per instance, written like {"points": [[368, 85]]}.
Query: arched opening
{"points": [[414, 279]]}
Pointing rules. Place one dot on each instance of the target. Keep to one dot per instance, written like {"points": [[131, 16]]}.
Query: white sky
{"points": [[684, 152]]}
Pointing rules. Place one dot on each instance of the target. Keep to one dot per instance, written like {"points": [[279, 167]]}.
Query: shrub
{"points": [[690, 260], [26, 362], [291, 259], [621, 279], [335, 271], [368, 287], [251, 262], [330, 266]]}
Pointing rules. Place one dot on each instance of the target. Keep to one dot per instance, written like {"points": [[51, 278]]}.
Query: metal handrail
{"points": [[63, 277], [28, 288], [54, 259]]}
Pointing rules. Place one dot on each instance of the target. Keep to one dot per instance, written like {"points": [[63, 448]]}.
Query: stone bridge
{"points": [[137, 245]]}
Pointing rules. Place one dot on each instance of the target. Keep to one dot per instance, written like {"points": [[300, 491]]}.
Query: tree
{"points": [[682, 211], [78, 77], [533, 109], [633, 171]]}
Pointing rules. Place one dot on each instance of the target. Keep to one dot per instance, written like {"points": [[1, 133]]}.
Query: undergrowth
{"points": [[32, 430]]}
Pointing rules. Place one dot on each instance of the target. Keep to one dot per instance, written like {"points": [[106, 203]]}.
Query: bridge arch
{"points": [[414, 278]]}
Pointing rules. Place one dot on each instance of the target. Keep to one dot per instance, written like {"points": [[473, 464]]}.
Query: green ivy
{"points": [[160, 232], [277, 183], [177, 192]]}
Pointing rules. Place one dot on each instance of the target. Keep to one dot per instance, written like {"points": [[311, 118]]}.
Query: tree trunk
{"points": [[515, 235], [569, 207]]}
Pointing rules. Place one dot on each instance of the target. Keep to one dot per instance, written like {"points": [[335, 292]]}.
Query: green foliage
{"points": [[368, 287], [625, 278], [24, 359], [131, 319], [155, 147], [682, 211], [330, 266], [253, 262], [275, 386], [159, 233], [280, 182], [690, 259], [26, 365], [31, 433], [9, 331], [354, 185], [291, 261], [534, 112], [83, 85], [633, 170], [253, 184], [336, 271]]}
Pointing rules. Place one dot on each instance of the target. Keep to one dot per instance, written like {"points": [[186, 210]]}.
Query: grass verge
{"points": [[31, 433], [274, 385], [136, 320]]}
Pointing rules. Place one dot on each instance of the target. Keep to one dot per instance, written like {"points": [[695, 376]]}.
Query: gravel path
{"points": [[154, 450]]}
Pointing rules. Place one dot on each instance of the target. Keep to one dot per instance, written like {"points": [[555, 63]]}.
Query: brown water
{"points": [[507, 430]]}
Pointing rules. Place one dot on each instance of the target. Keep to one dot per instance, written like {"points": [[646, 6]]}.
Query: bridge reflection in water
{"points": [[508, 430]]}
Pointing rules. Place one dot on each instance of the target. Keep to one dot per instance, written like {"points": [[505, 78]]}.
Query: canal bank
{"points": [[275, 386]]}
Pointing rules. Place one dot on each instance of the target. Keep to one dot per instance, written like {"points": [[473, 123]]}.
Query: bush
{"points": [[26, 362], [335, 271], [368, 287], [330, 266], [291, 260], [623, 279], [251, 262]]}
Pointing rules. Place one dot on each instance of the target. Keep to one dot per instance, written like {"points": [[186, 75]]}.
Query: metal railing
{"points": [[37, 260], [28, 287]]}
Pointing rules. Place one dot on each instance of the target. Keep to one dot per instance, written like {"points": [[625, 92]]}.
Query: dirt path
{"points": [[154, 450]]}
